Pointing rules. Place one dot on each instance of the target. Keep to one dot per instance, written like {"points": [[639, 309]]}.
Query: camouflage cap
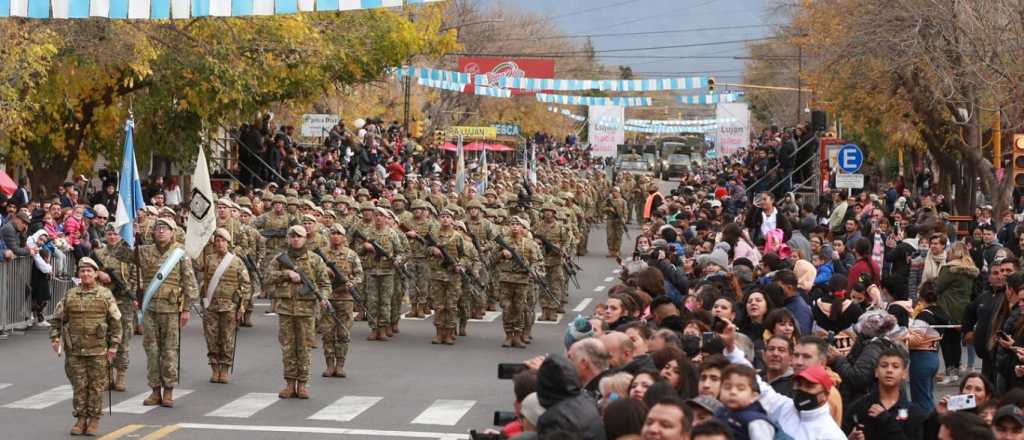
{"points": [[345, 200], [327, 199], [267, 196], [291, 192], [337, 228], [246, 211], [330, 213], [383, 201], [292, 200], [308, 204], [222, 233], [244, 201], [363, 192], [224, 201], [420, 204], [446, 212], [399, 198], [459, 224], [521, 221], [474, 203], [367, 206], [166, 210], [166, 221], [280, 198], [297, 231], [549, 207], [308, 218], [88, 262]]}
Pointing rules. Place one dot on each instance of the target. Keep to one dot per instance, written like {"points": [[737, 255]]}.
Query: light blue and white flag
{"points": [[129, 191], [183, 9], [460, 167]]}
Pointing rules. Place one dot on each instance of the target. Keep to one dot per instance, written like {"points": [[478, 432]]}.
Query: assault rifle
{"points": [[519, 261], [380, 252], [615, 215], [340, 280], [307, 285], [274, 233], [451, 263], [570, 267]]}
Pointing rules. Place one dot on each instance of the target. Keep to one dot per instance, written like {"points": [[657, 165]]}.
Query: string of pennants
{"points": [[183, 9], [666, 126], [500, 88]]}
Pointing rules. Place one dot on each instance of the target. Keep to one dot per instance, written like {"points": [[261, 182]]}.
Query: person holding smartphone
{"points": [[1010, 335], [886, 412]]}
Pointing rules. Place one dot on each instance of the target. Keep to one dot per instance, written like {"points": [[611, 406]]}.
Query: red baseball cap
{"points": [[817, 374]]}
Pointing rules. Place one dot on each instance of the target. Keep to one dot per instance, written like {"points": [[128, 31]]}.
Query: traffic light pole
{"points": [[407, 92]]}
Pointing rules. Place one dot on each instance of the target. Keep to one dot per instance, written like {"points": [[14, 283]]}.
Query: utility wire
{"points": [[634, 49], [627, 34]]}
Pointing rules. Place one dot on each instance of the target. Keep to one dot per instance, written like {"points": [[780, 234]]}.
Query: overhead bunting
{"points": [[684, 122], [567, 113], [709, 99], [492, 92], [615, 85], [594, 100], [444, 85], [431, 74], [670, 129], [183, 9]]}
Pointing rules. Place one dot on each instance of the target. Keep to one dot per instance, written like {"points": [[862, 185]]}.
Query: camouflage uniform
{"points": [[125, 304], [445, 284], [221, 307], [380, 274], [249, 244], [514, 286], [617, 212], [484, 231], [295, 331], [336, 338], [418, 265], [272, 226], [558, 235], [468, 294], [161, 320], [398, 293], [87, 322]]}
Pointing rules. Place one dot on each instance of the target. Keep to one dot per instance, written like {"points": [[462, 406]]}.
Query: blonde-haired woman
{"points": [[954, 284]]}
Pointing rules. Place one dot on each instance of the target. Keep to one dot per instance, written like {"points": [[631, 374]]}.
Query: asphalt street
{"points": [[403, 388]]}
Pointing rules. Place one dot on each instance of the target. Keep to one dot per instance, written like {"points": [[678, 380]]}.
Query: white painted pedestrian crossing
{"points": [[582, 305], [488, 317], [133, 405], [45, 399], [4, 385], [416, 319], [346, 408], [599, 288], [245, 406], [609, 279], [537, 320], [444, 412]]}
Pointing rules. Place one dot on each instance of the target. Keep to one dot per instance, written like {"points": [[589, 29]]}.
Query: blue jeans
{"points": [[923, 366]]}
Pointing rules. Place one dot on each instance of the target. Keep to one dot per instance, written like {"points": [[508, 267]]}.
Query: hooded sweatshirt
{"points": [[566, 406]]}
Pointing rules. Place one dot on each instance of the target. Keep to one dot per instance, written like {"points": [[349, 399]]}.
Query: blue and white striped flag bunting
{"points": [[183, 9], [640, 101], [430, 74], [709, 99], [492, 92], [628, 85], [443, 85]]}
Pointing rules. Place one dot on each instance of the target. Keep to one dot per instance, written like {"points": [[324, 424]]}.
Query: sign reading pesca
{"points": [[471, 132], [507, 129]]}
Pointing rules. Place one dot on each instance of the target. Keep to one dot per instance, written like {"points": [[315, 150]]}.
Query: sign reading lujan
{"points": [[471, 132]]}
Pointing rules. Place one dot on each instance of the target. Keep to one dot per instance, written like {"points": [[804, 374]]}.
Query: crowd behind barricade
{"points": [[744, 313]]}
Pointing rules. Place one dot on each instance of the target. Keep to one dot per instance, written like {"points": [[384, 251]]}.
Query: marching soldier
{"points": [[273, 225], [296, 302], [315, 241], [168, 308], [379, 269], [617, 213], [558, 235], [249, 246], [116, 277], [417, 227], [335, 337], [484, 231], [87, 325], [514, 282], [401, 284], [445, 281], [469, 293], [227, 291]]}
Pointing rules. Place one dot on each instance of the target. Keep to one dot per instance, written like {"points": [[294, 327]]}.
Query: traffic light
{"points": [[438, 138], [711, 84], [1018, 160], [416, 129]]}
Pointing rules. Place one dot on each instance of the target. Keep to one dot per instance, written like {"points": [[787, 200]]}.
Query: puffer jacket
{"points": [[567, 408], [954, 285]]}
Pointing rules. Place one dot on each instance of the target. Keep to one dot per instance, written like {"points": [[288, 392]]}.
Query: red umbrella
{"points": [[448, 146], [498, 147], [7, 185]]}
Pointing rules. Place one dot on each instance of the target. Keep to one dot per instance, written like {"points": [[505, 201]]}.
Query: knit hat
{"points": [[579, 329], [531, 409]]}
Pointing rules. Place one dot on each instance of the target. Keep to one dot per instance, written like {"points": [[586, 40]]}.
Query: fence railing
{"points": [[16, 281]]}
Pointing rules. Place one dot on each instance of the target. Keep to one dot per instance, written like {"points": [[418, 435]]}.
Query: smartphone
{"points": [[502, 418], [961, 402], [706, 337], [508, 371], [1002, 335], [719, 325]]}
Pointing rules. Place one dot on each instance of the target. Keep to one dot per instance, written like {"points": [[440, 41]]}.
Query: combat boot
{"points": [[373, 336], [215, 376], [288, 391], [92, 427], [492, 307], [225, 373], [168, 400], [478, 312], [388, 332], [414, 312], [438, 336], [301, 391], [246, 319], [339, 370], [154, 398], [526, 337], [119, 381], [382, 335], [517, 342], [463, 324], [508, 340], [79, 427], [449, 336], [331, 368], [394, 329]]}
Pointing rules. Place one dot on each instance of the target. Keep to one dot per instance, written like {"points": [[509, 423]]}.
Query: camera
{"points": [[473, 435], [509, 370], [502, 418]]}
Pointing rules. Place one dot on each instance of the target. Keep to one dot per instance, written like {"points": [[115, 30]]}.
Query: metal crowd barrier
{"points": [[15, 297]]}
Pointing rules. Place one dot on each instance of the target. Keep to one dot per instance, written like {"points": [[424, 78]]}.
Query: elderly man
{"points": [[623, 354], [591, 361]]}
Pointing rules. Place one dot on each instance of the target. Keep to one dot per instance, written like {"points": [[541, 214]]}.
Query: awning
{"points": [[7, 185], [477, 146]]}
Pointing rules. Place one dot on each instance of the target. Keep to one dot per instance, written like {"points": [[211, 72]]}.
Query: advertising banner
{"points": [[734, 130], [500, 67]]}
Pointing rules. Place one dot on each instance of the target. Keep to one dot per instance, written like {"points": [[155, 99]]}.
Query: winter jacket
{"points": [[954, 285], [567, 408], [824, 274], [858, 369], [902, 421]]}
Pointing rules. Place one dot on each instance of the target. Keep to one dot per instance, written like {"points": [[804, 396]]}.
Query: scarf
{"points": [[932, 264]]}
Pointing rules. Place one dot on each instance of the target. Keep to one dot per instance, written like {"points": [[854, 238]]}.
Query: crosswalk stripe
{"points": [[326, 430], [4, 385], [346, 408], [416, 319], [444, 412], [133, 405], [488, 317], [536, 319], [609, 279], [245, 406], [583, 305], [45, 399], [598, 288]]}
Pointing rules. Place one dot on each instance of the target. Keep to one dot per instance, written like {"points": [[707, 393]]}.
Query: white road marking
{"points": [[133, 405], [598, 288], [245, 406], [416, 319], [346, 408], [617, 271], [537, 320], [488, 317], [444, 412], [4, 385], [324, 430], [582, 305], [261, 303], [44, 399], [609, 279]]}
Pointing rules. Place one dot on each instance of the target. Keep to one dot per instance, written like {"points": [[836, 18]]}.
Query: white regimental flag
{"points": [[201, 222]]}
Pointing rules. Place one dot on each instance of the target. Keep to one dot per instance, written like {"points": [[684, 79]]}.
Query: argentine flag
{"points": [[129, 191]]}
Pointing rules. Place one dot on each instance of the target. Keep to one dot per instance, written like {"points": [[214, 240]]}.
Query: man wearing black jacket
{"points": [[566, 406], [977, 321], [886, 413]]}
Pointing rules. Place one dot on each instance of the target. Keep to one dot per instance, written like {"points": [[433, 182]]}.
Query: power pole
{"points": [[799, 86], [407, 92]]}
